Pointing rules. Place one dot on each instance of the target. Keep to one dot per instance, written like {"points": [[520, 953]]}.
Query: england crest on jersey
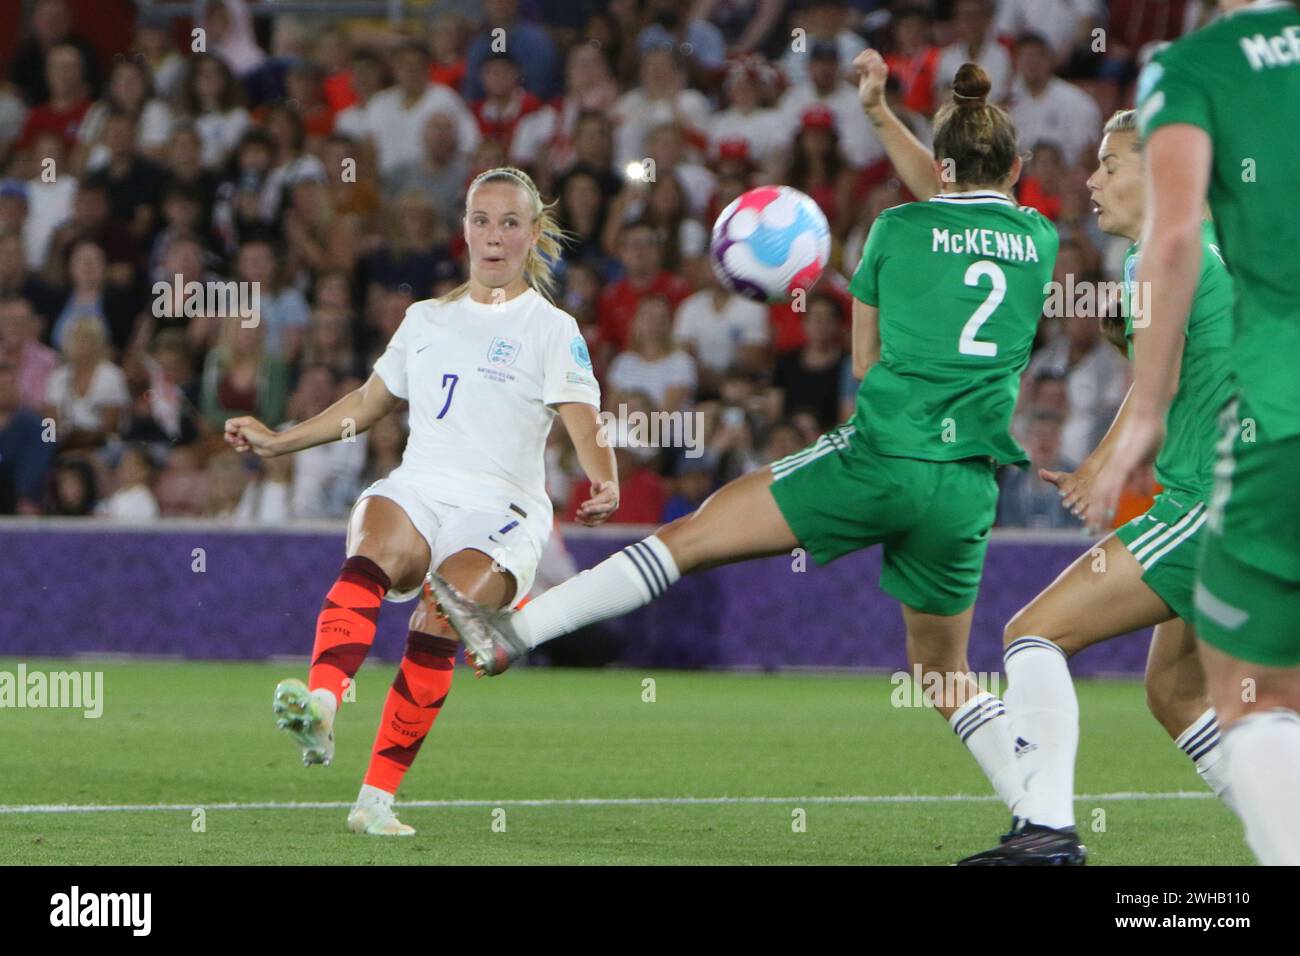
{"points": [[503, 352]]}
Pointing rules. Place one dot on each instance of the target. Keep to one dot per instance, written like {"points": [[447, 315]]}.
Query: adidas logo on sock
{"points": [[1023, 746]]}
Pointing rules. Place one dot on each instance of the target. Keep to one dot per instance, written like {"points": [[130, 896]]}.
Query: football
{"points": [[769, 243]]}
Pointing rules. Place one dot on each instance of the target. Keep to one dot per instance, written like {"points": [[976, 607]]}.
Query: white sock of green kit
{"points": [[623, 582], [1201, 742], [1263, 757], [982, 725], [1044, 714]]}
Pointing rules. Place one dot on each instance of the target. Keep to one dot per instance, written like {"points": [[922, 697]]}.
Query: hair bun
{"points": [[971, 85]]}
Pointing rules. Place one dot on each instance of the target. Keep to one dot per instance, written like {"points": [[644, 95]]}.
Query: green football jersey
{"points": [[1239, 80], [960, 281], [1185, 465]]}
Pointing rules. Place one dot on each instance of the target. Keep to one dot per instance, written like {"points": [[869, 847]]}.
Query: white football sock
{"points": [[1201, 742], [1263, 757], [981, 725], [623, 582], [1044, 714]]}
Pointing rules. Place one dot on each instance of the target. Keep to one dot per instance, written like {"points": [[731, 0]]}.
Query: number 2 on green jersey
{"points": [[967, 344]]}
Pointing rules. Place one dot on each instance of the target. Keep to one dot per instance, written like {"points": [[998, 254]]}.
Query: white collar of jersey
{"points": [[487, 308], [972, 197]]}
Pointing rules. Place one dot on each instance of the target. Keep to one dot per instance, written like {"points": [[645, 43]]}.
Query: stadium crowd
{"points": [[327, 161]]}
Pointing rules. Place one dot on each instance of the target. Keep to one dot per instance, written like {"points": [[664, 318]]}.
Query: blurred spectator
{"points": [[51, 28], [327, 478], [818, 168], [231, 37], [640, 252], [134, 183], [528, 42], [651, 364], [21, 348], [185, 171], [365, 80], [91, 220], [227, 477], [90, 297], [746, 25], [749, 117], [17, 280], [580, 209], [68, 101], [593, 149], [810, 378], [1043, 179], [692, 484], [212, 100], [441, 173], [1063, 24], [914, 60], [156, 51], [129, 90], [1047, 108], [504, 103], [783, 439], [25, 454], [1025, 500], [663, 205], [72, 489], [821, 20], [666, 149], [1096, 380], [240, 377], [678, 24], [132, 499], [548, 133], [164, 395], [87, 397], [414, 253], [826, 87], [450, 36], [976, 42], [13, 114], [284, 311], [396, 117], [329, 343], [268, 494], [662, 96], [50, 194], [720, 329], [642, 492], [182, 486], [387, 441]]}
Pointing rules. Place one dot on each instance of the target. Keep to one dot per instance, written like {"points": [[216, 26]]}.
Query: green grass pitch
{"points": [[569, 767]]}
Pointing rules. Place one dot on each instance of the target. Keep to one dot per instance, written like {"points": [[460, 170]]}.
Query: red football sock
{"points": [[345, 628], [413, 704]]}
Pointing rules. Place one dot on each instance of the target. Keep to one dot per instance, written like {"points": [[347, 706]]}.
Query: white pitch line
{"points": [[587, 802]]}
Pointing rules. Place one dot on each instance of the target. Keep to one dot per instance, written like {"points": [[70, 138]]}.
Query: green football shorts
{"points": [[931, 517], [1248, 588], [1167, 541]]}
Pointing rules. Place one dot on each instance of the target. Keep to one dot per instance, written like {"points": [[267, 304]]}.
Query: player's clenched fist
{"points": [[872, 74], [248, 434]]}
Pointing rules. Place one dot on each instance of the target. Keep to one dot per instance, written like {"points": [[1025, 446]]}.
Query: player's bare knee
{"points": [[1027, 622]]}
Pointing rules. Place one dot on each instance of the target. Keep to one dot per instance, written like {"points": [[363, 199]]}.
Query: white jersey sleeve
{"points": [[568, 371], [391, 366]]}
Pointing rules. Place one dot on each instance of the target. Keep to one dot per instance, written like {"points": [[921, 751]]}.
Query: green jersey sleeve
{"points": [[1168, 92], [865, 283]]}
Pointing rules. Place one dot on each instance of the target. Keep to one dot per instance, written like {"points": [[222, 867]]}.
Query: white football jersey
{"points": [[481, 380]]}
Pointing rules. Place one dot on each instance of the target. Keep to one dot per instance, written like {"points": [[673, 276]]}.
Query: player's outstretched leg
{"points": [[383, 547], [738, 522]]}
